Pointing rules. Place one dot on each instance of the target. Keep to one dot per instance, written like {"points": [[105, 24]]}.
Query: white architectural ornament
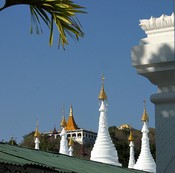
{"points": [[37, 142], [36, 137], [63, 142], [145, 160], [153, 23], [131, 152], [104, 150], [154, 58]]}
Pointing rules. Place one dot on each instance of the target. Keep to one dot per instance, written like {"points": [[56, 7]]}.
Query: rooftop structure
{"points": [[19, 159]]}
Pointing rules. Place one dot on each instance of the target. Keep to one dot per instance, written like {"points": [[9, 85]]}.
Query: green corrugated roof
{"points": [[24, 156]]}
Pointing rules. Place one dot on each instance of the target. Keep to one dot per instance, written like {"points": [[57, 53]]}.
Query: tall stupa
{"points": [[145, 160], [63, 141], [131, 151], [36, 137], [104, 150]]}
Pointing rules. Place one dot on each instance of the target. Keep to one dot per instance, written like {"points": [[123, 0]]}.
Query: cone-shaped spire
{"points": [[71, 142], [71, 125], [63, 122], [104, 150], [102, 96], [36, 134], [131, 137], [63, 142], [145, 116], [145, 160], [131, 152]]}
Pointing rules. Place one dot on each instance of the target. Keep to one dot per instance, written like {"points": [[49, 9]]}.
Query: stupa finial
{"points": [[145, 116], [37, 134], [102, 96]]}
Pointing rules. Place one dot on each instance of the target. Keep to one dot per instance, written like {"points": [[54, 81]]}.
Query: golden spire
{"points": [[71, 125], [102, 96], [37, 134], [71, 142], [131, 138], [145, 115], [63, 122]]}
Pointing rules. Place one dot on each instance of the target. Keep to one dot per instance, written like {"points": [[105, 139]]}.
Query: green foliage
{"points": [[62, 13]]}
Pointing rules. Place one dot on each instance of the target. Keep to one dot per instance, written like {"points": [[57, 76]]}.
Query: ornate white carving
{"points": [[163, 21]]}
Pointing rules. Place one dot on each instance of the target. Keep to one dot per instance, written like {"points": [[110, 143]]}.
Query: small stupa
{"points": [[131, 152], [71, 143], [36, 137], [145, 160], [63, 141], [104, 150]]}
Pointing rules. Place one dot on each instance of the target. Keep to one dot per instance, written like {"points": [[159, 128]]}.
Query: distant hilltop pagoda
{"points": [[104, 150], [77, 134]]}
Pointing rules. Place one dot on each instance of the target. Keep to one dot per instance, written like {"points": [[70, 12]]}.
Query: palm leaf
{"points": [[62, 13]]}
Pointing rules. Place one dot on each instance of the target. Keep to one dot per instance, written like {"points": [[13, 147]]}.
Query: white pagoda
{"points": [[36, 137], [131, 153], [104, 150], [145, 160], [63, 141]]}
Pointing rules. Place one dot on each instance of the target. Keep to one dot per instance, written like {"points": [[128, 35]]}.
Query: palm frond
{"points": [[62, 13]]}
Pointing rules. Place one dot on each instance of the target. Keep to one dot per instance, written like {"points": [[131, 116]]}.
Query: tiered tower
{"points": [[71, 125], [131, 154], [145, 160], [104, 150], [36, 137], [63, 141]]}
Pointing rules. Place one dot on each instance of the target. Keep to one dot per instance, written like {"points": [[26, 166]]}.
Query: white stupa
{"points": [[63, 141], [71, 143], [145, 160], [36, 137], [104, 150], [131, 152]]}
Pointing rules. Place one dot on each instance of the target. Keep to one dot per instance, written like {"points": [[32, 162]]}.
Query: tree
{"points": [[62, 13]]}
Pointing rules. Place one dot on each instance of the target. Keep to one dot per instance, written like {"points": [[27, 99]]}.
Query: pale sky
{"points": [[37, 80]]}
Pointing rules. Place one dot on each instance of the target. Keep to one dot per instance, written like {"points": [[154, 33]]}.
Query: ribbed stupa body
{"points": [[37, 142], [63, 143], [131, 155], [104, 150], [145, 160]]}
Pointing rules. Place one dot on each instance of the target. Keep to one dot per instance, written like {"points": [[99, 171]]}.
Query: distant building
{"points": [[80, 135]]}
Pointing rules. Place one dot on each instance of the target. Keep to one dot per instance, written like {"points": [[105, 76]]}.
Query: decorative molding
{"points": [[153, 23]]}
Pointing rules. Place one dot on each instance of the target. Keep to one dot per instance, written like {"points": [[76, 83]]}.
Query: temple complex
{"points": [[104, 150]]}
